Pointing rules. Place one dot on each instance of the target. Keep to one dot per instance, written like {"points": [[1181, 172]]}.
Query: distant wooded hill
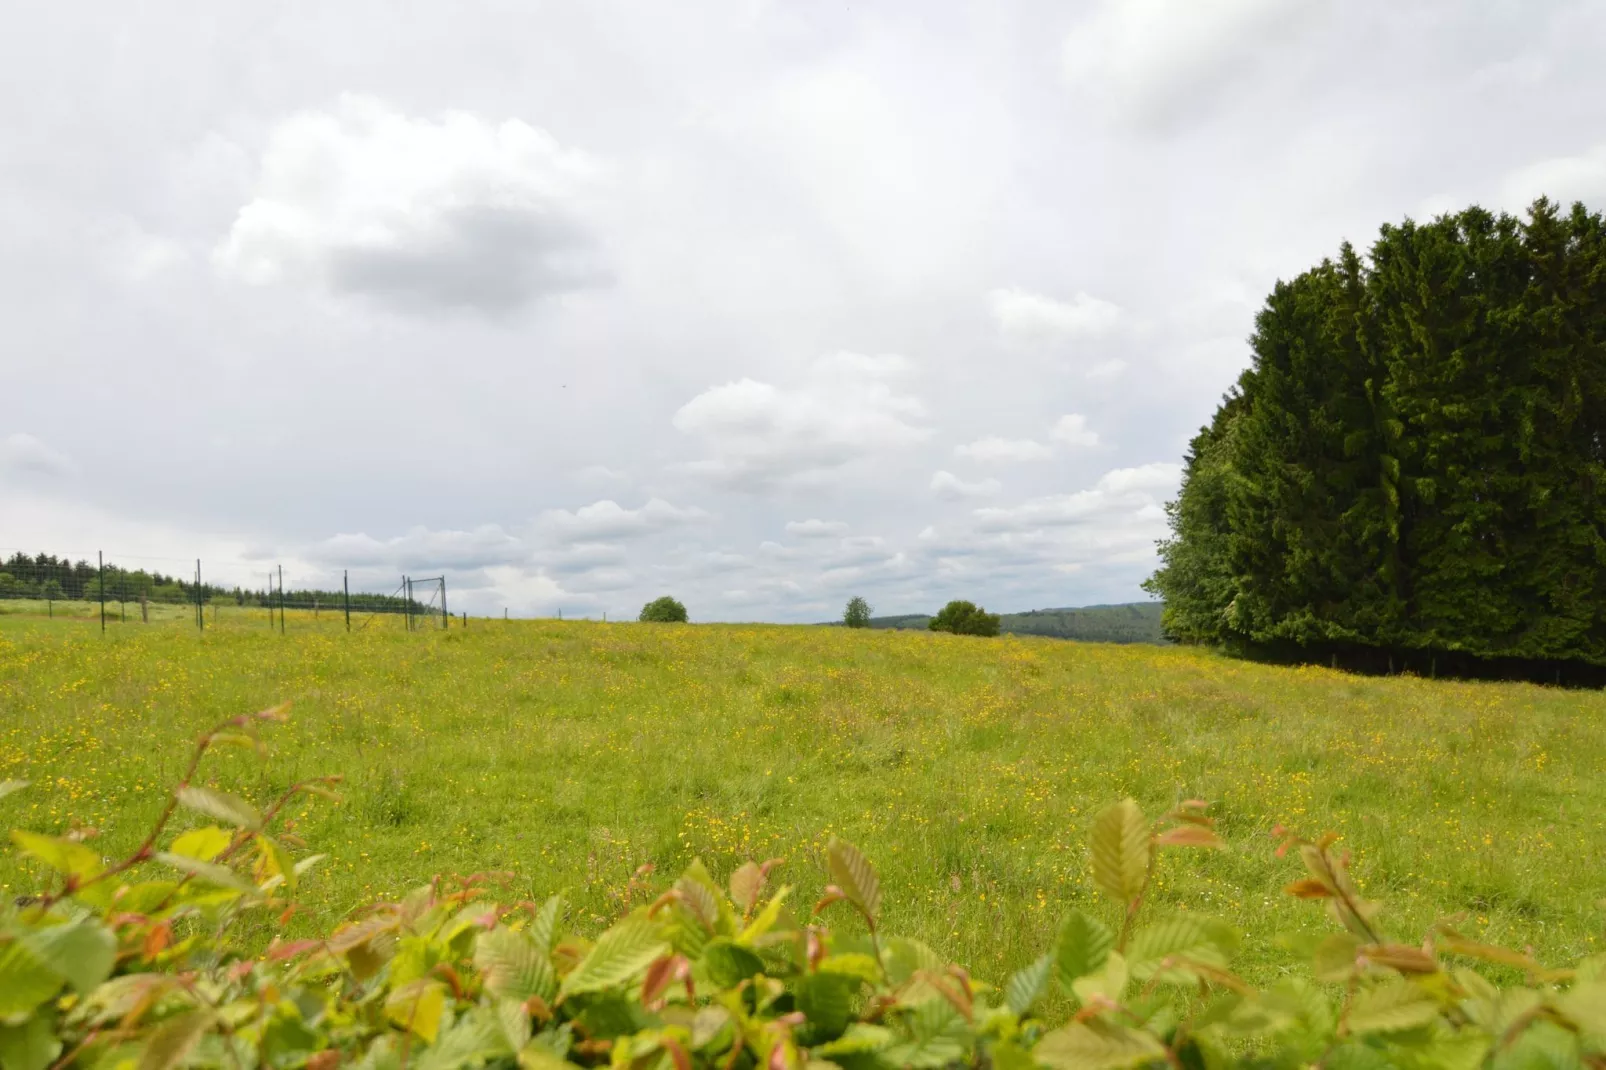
{"points": [[1132, 622]]}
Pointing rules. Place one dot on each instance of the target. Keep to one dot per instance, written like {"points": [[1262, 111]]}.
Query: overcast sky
{"points": [[762, 303]]}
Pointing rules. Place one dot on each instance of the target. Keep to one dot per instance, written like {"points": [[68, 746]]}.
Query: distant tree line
{"points": [[48, 577], [1415, 462]]}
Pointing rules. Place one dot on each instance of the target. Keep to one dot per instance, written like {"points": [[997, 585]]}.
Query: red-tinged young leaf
{"points": [[746, 884], [833, 894], [1189, 836], [171, 1041], [1308, 888], [853, 874], [156, 940], [279, 952], [677, 1052], [1401, 957]]}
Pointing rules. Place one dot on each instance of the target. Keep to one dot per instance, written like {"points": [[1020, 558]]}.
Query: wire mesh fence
{"points": [[108, 590]]}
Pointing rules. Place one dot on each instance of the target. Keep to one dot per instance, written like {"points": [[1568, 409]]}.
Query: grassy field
{"points": [[571, 753]]}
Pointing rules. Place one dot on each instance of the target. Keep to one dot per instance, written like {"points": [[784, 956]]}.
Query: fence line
{"points": [[106, 588]]}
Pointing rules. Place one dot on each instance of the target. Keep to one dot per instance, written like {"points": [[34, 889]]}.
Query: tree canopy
{"points": [[664, 610], [1416, 458], [965, 618]]}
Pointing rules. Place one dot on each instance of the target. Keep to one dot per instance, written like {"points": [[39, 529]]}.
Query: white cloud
{"points": [[1107, 369], [1561, 178], [1023, 314], [431, 213], [951, 487], [24, 455], [760, 435], [1147, 59], [607, 519], [1133, 493], [816, 529], [1072, 430], [423, 548], [996, 450]]}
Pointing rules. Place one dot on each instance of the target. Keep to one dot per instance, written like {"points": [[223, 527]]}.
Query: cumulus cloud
{"points": [[1134, 493], [1027, 315], [608, 519], [816, 529], [21, 454], [759, 435], [996, 450], [1072, 430], [480, 547], [1146, 60], [419, 213], [949, 486]]}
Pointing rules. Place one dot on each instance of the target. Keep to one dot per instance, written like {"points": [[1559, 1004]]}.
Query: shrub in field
{"points": [[154, 962], [965, 618], [857, 613], [665, 610]]}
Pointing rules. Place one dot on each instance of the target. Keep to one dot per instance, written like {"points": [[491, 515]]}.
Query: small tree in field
{"points": [[665, 610], [965, 618], [857, 615]]}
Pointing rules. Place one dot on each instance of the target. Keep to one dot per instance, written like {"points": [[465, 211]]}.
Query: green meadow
{"points": [[569, 754]]}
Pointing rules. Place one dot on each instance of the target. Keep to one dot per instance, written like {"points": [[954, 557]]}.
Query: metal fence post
{"points": [[101, 557], [345, 591], [446, 618]]}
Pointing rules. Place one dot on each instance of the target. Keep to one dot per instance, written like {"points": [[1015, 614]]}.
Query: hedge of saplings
{"points": [[154, 961]]}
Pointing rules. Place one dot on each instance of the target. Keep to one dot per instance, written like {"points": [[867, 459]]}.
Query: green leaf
{"points": [[64, 856], [82, 953], [537, 1056], [1163, 951], [620, 953], [939, 1037], [1084, 943], [1334, 958], [852, 964], [1584, 1005], [1121, 851], [827, 1000], [852, 872], [1390, 1008], [860, 1038], [8, 787], [545, 926], [25, 980], [418, 1007], [210, 872], [728, 964], [31, 1045], [280, 864], [514, 967], [202, 844], [1029, 984], [220, 805], [170, 1042], [1096, 1045], [515, 1022], [1109, 982]]}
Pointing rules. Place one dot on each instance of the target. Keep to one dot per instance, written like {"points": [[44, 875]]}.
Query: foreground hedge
{"points": [[148, 963]]}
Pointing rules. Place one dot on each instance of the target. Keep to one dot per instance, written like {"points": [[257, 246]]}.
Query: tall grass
{"points": [[572, 753]]}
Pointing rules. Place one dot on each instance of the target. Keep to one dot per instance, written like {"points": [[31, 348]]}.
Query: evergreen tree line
{"points": [[1415, 462], [48, 577]]}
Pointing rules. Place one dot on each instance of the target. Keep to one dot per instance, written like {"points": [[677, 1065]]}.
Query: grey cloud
{"points": [[21, 454], [421, 214], [815, 529]]}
